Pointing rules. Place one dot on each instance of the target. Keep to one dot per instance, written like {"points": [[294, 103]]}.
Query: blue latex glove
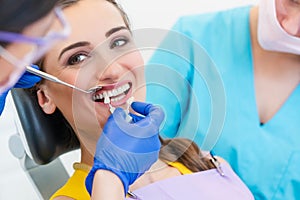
{"points": [[128, 149], [26, 81]]}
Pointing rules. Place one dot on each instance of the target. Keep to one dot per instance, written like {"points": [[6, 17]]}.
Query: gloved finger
{"points": [[34, 66], [155, 113], [141, 107], [2, 101], [135, 118], [28, 80]]}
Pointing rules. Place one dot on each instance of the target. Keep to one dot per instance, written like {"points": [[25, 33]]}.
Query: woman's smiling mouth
{"points": [[115, 95]]}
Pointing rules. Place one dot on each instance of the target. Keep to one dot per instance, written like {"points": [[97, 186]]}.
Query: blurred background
{"points": [[14, 183]]}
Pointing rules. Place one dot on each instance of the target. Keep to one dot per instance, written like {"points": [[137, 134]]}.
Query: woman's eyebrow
{"points": [[113, 30], [72, 46]]}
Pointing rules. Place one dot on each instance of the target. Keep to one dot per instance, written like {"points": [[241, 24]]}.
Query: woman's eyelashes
{"points": [[296, 2], [80, 55], [119, 42], [77, 58]]}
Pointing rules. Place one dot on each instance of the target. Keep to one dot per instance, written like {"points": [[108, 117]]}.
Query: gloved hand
{"points": [[128, 149], [26, 81]]}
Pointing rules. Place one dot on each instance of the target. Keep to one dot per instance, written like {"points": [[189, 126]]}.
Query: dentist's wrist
{"points": [[107, 185]]}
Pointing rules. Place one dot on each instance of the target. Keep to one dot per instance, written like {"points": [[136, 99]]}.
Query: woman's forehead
{"points": [[93, 17], [100, 11], [89, 20]]}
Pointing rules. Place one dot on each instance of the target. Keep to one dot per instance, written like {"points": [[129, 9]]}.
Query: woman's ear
{"points": [[45, 101]]}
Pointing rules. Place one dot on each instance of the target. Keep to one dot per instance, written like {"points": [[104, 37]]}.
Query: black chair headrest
{"points": [[48, 136]]}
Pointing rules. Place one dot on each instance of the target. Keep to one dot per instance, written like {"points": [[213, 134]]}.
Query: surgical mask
{"points": [[271, 36]]}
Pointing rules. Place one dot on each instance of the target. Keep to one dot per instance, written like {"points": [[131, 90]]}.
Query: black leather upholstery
{"points": [[48, 136]]}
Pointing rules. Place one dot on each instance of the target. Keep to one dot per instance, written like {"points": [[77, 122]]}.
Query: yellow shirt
{"points": [[75, 186], [180, 167]]}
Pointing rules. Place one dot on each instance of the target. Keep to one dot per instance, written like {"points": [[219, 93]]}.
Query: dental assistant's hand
{"points": [[26, 81], [128, 149]]}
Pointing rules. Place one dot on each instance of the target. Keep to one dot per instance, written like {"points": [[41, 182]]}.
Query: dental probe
{"points": [[55, 79]]}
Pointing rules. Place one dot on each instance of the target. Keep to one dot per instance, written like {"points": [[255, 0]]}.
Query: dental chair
{"points": [[40, 140]]}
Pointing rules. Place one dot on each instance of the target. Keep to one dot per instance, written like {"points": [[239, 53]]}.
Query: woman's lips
{"points": [[115, 95]]}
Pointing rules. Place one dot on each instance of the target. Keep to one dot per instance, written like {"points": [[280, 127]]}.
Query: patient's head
{"points": [[99, 52]]}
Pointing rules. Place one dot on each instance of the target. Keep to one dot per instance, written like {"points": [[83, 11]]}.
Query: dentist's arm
{"points": [[107, 186], [125, 151], [26, 81]]}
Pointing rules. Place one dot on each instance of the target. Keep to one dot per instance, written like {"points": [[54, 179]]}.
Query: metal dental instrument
{"points": [[216, 163], [132, 195], [55, 79]]}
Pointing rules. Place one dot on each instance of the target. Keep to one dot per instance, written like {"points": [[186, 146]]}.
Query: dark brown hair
{"points": [[15, 16]]}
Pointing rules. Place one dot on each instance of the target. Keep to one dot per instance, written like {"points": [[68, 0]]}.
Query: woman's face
{"points": [[99, 52], [288, 15]]}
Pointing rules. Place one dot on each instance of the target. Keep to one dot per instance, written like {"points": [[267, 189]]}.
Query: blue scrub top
{"points": [[181, 78]]}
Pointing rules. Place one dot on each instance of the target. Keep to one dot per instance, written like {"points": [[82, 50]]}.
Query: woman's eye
{"points": [[118, 43], [295, 1], [76, 59]]}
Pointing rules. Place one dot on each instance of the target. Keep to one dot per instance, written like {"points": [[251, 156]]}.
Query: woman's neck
{"points": [[87, 156]]}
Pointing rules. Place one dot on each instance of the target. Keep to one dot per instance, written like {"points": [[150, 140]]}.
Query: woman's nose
{"points": [[112, 72]]}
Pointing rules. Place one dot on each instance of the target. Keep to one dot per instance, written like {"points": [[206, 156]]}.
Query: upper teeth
{"points": [[111, 93]]}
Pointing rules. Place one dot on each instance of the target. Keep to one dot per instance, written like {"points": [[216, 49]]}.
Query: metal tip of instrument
{"points": [[94, 89], [132, 195], [217, 164]]}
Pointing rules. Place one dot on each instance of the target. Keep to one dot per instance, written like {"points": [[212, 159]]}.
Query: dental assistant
{"points": [[256, 51], [24, 37]]}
